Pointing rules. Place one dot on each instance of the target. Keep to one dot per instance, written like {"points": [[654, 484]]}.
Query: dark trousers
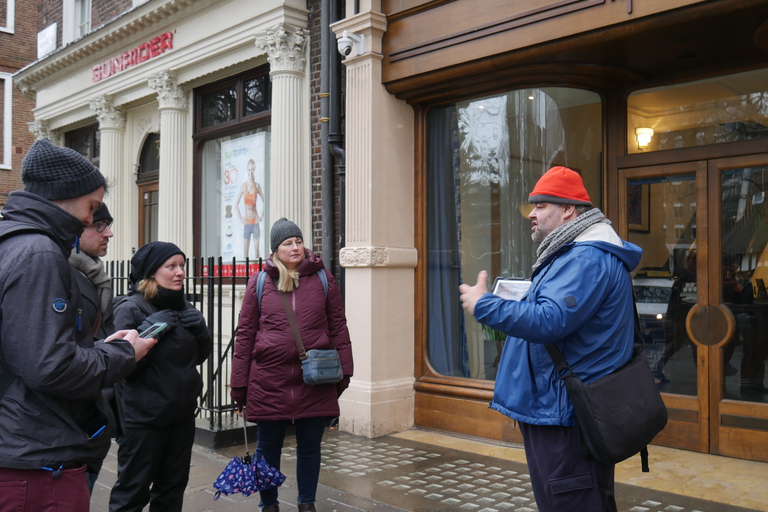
{"points": [[36, 490], [562, 479], [156, 457], [309, 436]]}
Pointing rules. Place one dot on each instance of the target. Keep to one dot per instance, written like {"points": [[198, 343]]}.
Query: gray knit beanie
{"points": [[57, 173], [282, 230]]}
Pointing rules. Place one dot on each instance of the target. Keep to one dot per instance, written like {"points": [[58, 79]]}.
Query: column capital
{"points": [[169, 93], [41, 130], [107, 113], [285, 47]]}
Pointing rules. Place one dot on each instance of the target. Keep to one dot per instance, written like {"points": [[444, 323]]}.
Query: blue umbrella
{"points": [[245, 475]]}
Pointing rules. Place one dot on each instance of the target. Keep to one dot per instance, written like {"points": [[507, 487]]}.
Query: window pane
{"points": [[723, 109], [233, 222], [745, 274], [484, 156], [150, 154], [256, 95], [219, 107], [661, 215]]}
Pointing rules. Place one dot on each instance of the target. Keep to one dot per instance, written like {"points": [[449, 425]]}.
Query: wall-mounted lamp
{"points": [[643, 137]]}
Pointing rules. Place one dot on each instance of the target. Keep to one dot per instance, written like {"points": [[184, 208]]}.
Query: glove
{"points": [[191, 318], [342, 385], [166, 315], [239, 395]]}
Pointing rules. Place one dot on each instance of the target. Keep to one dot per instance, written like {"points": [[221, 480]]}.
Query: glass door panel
{"points": [[739, 388], [662, 220]]}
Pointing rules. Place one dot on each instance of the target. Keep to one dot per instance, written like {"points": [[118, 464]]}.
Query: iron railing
{"points": [[215, 288]]}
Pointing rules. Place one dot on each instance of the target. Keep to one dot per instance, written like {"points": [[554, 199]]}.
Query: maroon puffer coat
{"points": [[266, 359]]}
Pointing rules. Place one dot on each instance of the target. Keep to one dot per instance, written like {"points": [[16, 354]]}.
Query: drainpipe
{"points": [[330, 131]]}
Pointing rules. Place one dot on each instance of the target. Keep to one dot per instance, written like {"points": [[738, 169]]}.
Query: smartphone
{"points": [[154, 331]]}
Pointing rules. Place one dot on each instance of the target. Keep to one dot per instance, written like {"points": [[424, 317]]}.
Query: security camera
{"points": [[349, 41]]}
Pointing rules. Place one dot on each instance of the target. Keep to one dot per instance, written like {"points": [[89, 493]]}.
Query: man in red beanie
{"points": [[580, 299]]}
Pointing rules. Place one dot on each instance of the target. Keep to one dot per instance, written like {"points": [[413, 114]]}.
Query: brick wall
{"points": [[317, 167], [105, 10], [48, 11], [16, 51]]}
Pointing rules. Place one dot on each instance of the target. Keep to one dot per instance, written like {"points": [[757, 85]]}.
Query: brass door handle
{"points": [[710, 325]]}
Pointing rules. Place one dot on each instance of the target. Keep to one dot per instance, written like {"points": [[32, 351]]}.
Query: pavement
{"points": [[426, 471]]}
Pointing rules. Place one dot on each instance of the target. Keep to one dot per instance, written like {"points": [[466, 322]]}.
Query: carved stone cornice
{"points": [[285, 48], [121, 28], [108, 114], [390, 257], [169, 93]]}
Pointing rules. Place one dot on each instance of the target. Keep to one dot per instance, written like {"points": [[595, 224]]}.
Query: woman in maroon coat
{"points": [[266, 369]]}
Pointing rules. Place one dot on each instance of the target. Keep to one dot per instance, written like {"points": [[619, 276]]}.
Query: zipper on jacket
{"points": [[79, 319]]}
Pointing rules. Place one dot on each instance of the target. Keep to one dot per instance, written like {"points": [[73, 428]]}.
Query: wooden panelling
{"points": [[743, 443], [464, 416]]}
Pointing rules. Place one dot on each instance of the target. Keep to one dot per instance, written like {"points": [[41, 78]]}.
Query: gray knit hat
{"points": [[282, 230], [58, 173]]}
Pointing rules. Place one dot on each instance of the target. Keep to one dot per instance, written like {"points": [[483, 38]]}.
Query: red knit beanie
{"points": [[560, 185]]}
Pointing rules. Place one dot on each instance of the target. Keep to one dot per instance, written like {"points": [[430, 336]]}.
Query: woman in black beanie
{"points": [[161, 393]]}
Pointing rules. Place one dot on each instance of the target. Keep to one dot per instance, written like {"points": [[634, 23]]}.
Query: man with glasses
{"points": [[96, 288]]}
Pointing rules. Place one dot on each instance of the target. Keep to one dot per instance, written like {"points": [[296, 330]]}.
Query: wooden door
{"points": [[700, 290]]}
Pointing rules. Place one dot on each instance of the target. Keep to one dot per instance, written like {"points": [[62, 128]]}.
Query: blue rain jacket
{"points": [[581, 299]]}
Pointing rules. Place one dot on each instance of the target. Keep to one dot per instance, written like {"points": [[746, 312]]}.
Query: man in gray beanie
{"points": [[52, 417]]}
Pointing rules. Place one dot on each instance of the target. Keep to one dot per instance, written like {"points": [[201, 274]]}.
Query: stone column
{"points": [[175, 186], [289, 189], [379, 256], [112, 128]]}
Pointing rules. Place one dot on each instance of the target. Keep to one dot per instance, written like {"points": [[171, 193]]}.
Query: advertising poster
{"points": [[243, 200]]}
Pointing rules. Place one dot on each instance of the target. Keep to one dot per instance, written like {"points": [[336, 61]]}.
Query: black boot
{"points": [[307, 507], [271, 508]]}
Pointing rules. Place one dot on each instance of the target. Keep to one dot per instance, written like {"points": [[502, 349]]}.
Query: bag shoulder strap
{"points": [[294, 327], [262, 277]]}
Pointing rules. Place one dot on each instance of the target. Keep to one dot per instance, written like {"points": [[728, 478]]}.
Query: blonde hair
{"points": [[289, 279], [149, 287]]}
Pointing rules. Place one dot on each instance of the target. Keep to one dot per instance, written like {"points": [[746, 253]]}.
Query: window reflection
{"points": [[484, 156], [745, 275], [723, 109], [219, 106]]}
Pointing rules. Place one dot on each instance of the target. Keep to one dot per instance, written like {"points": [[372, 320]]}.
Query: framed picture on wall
{"points": [[639, 207]]}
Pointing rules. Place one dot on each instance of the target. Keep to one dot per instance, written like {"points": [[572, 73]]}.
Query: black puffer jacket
{"points": [[53, 406], [165, 385]]}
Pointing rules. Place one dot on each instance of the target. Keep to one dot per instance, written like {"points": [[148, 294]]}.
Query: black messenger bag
{"points": [[619, 414]]}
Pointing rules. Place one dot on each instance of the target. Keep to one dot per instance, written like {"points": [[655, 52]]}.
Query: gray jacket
{"points": [[53, 408]]}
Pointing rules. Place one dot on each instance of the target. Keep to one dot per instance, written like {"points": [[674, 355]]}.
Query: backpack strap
{"points": [[262, 277]]}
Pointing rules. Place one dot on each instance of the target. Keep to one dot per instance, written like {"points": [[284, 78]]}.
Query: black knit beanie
{"points": [[102, 214], [57, 173], [282, 230], [150, 257]]}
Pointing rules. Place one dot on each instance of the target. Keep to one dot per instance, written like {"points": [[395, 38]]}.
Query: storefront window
{"points": [[729, 108], [483, 158], [233, 128], [234, 210]]}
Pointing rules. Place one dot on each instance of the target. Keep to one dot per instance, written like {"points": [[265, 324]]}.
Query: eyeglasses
{"points": [[101, 225]]}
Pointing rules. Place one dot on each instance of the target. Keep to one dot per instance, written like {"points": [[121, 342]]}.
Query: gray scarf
{"points": [[93, 269], [566, 233]]}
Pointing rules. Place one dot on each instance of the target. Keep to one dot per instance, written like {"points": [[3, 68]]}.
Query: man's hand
{"points": [[141, 346], [471, 294]]}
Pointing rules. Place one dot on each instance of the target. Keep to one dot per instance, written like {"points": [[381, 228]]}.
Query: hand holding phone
{"points": [[154, 331]]}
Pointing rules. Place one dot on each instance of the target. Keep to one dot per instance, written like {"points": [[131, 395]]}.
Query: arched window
{"points": [[147, 180]]}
